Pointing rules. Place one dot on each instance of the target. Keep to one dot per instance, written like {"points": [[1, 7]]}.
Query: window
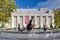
{"points": [[47, 11], [39, 9]]}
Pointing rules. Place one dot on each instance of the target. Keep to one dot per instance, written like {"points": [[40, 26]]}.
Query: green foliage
{"points": [[6, 7], [55, 27], [2, 25], [3, 17], [57, 16], [51, 26]]}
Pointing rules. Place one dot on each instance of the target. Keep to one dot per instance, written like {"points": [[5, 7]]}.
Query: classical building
{"points": [[41, 17]]}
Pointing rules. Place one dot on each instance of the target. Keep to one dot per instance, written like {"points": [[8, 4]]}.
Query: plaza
{"points": [[15, 35]]}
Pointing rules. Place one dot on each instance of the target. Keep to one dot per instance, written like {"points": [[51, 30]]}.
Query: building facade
{"points": [[41, 17]]}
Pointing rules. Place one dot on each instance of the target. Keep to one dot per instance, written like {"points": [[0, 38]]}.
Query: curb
{"points": [[43, 32]]}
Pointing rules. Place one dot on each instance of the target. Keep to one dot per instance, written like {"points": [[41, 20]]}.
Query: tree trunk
{"points": [[2, 24]]}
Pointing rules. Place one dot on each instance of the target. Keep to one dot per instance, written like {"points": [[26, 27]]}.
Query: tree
{"points": [[6, 7], [3, 19], [57, 17]]}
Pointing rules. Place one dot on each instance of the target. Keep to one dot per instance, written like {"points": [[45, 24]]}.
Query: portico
{"points": [[22, 16]]}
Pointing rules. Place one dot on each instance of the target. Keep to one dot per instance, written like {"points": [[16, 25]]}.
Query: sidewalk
{"points": [[33, 31]]}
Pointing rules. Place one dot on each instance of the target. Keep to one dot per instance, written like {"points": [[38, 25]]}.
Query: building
{"points": [[40, 17]]}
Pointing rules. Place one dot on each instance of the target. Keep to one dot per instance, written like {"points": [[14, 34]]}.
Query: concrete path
{"points": [[40, 35]]}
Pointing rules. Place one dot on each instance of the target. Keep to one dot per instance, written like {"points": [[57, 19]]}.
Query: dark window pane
{"points": [[47, 11]]}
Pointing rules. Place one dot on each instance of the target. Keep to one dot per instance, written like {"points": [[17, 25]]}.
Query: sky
{"points": [[50, 4]]}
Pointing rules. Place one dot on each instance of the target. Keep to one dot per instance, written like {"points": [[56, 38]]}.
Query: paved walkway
{"points": [[17, 36], [33, 31], [33, 35]]}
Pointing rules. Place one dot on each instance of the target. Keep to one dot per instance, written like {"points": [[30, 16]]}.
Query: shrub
{"points": [[54, 27], [51, 26]]}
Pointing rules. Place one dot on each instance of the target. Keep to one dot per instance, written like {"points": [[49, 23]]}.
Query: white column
{"points": [[18, 21], [40, 22], [41, 17], [29, 18], [12, 20], [53, 21], [36, 22], [47, 22], [24, 21]]}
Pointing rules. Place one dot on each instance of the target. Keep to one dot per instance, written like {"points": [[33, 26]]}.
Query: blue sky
{"points": [[38, 3]]}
